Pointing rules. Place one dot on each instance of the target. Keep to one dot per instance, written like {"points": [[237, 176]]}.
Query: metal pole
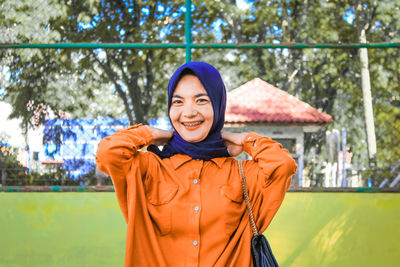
{"points": [[188, 30], [300, 167], [344, 141], [188, 36], [29, 160], [395, 181], [337, 135]]}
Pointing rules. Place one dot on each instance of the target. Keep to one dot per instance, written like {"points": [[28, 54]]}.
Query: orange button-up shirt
{"points": [[186, 212]]}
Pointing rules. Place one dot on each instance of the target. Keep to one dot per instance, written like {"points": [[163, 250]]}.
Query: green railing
{"points": [[110, 188], [191, 45]]}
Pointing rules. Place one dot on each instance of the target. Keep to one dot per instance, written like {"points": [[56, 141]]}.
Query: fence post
{"points": [[344, 154], [188, 30]]}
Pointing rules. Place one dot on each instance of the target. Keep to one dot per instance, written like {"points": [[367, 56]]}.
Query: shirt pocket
{"points": [[232, 206], [159, 197]]}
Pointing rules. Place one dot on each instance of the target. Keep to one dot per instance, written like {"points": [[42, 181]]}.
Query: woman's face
{"points": [[191, 112]]}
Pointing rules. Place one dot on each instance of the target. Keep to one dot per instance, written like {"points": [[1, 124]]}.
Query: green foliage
{"points": [[9, 164], [8, 159]]}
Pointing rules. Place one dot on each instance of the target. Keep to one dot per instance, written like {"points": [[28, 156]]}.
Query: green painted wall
{"points": [[337, 229], [61, 229], [311, 229]]}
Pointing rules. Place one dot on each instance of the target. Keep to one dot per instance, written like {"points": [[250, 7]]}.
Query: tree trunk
{"points": [[366, 89]]}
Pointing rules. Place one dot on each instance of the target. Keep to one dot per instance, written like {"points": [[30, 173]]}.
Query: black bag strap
{"points": [[246, 196]]}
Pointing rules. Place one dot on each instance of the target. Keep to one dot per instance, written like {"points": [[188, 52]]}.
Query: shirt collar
{"points": [[180, 159], [219, 161]]}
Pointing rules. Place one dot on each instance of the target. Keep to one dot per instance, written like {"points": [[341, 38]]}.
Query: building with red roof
{"points": [[263, 108]]}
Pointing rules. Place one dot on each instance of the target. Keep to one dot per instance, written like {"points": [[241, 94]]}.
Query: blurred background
{"points": [[56, 104], [337, 110]]}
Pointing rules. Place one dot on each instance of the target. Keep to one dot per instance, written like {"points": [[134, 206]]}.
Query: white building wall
{"points": [[281, 132]]}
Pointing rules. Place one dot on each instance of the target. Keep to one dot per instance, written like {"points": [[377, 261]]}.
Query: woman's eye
{"points": [[202, 100], [176, 101]]}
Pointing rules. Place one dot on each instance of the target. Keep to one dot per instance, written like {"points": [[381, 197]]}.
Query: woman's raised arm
{"points": [[118, 156], [268, 176], [116, 152]]}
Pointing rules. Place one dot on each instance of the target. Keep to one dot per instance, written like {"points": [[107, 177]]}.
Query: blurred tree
{"points": [[70, 80]]}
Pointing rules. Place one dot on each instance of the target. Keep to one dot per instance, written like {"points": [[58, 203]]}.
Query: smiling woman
{"points": [[197, 95], [191, 111], [184, 204]]}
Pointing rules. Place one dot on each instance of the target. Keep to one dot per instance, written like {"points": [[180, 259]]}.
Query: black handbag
{"points": [[260, 248]]}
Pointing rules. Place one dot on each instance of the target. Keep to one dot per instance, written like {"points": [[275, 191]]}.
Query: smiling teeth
{"points": [[191, 124]]}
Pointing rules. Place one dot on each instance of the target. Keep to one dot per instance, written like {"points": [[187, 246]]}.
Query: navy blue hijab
{"points": [[213, 145]]}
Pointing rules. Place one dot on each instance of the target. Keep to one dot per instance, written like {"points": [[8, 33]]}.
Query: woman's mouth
{"points": [[192, 125]]}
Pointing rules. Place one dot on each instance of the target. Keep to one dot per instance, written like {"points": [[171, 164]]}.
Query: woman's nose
{"points": [[189, 111]]}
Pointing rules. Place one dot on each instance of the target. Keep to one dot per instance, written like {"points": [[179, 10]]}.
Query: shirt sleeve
{"points": [[118, 156], [268, 176]]}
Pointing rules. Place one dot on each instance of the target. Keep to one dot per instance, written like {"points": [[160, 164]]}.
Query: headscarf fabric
{"points": [[213, 145]]}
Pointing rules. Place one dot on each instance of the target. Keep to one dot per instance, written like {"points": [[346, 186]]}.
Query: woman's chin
{"points": [[192, 137]]}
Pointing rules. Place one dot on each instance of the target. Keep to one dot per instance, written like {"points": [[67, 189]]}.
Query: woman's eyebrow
{"points": [[198, 95], [177, 96], [201, 94]]}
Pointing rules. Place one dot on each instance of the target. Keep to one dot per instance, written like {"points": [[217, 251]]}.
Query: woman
{"points": [[184, 205]]}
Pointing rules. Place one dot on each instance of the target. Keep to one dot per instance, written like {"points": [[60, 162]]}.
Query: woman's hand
{"points": [[234, 142], [160, 137]]}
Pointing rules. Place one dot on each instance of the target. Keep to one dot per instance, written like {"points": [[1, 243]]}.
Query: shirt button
{"points": [[196, 208], [195, 243], [195, 181]]}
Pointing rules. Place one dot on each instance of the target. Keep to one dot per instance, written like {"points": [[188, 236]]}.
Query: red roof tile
{"points": [[259, 101]]}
